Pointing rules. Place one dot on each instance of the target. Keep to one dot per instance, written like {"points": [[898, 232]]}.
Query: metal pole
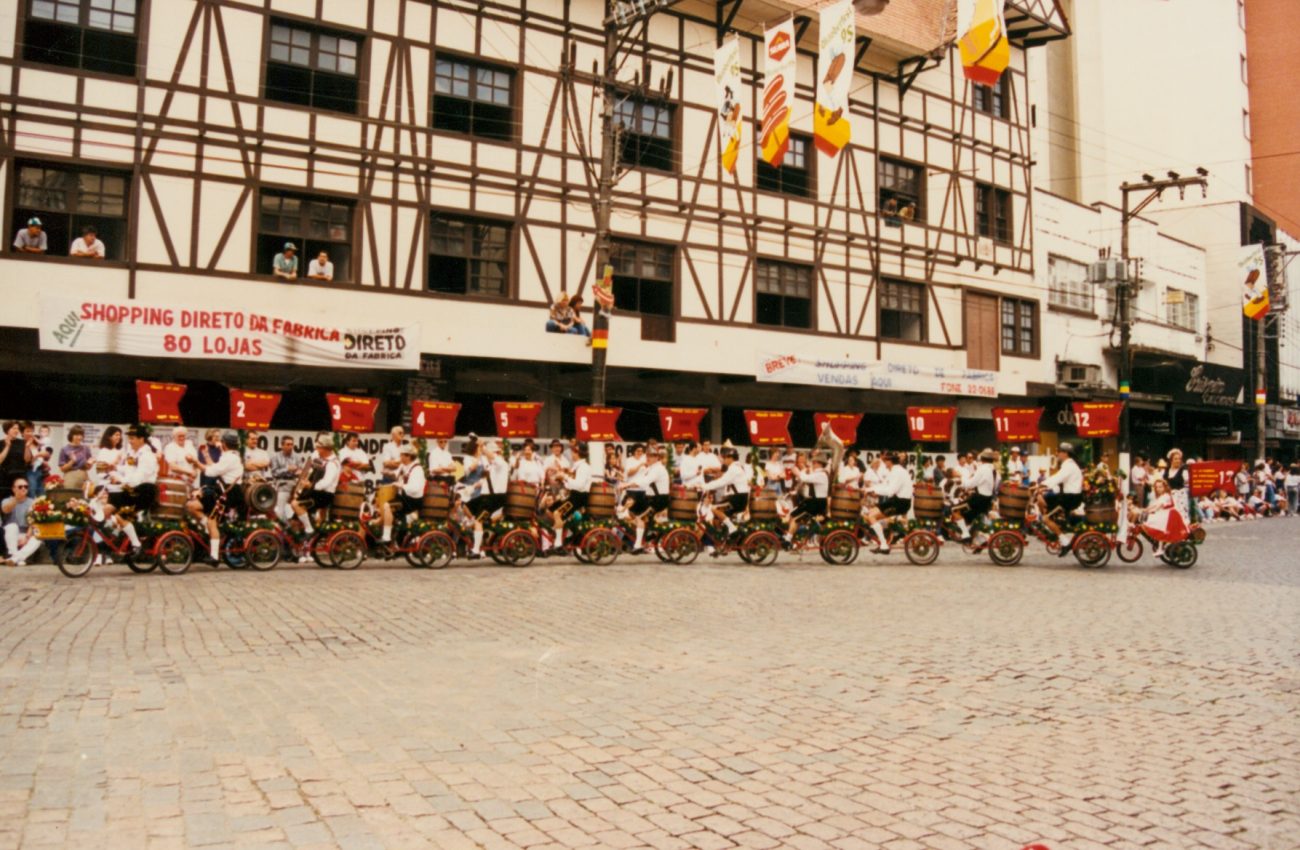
{"points": [[1261, 390], [604, 201], [1122, 294]]}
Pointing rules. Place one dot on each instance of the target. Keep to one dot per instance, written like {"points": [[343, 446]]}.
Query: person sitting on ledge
{"points": [[564, 317]]}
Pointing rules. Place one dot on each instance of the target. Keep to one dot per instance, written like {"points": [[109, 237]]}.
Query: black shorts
{"points": [[141, 498], [210, 494], [894, 506], [978, 505], [809, 508], [408, 504], [578, 500], [316, 500], [643, 501], [738, 502], [1067, 502], [489, 502]]}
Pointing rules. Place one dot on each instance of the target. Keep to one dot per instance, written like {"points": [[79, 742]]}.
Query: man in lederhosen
{"points": [[138, 477], [409, 477], [224, 476], [733, 488], [320, 495]]}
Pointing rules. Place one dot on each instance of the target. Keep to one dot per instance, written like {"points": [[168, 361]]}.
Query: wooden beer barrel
{"points": [[683, 504], [846, 503], [436, 504], [259, 496], [927, 502], [521, 501], [1101, 512], [348, 499], [762, 508], [600, 500], [1013, 501], [173, 493]]}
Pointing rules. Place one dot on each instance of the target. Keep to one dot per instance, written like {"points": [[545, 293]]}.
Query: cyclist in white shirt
{"points": [[390, 456], [409, 477], [895, 492], [650, 493], [732, 489], [814, 483], [320, 495], [491, 492], [137, 478], [226, 473], [1064, 490]]}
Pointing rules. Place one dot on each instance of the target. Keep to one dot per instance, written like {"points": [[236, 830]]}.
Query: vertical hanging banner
{"points": [[159, 402], [768, 427], [352, 412], [931, 424], [516, 418], [726, 72], [596, 423], [603, 290], [1097, 418], [982, 40], [1016, 423], [435, 419], [843, 425], [831, 124], [778, 92], [252, 411], [681, 423], [1254, 282]]}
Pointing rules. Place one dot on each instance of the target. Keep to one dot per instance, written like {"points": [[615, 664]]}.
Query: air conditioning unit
{"points": [[1108, 270], [1078, 375]]}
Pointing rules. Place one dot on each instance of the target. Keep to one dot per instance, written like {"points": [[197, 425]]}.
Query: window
{"points": [[313, 67], [783, 295], [97, 35], [474, 99], [901, 192], [1067, 285], [902, 311], [645, 133], [994, 100], [311, 224], [993, 212], [643, 283], [1182, 309], [1245, 122], [469, 256], [795, 176], [69, 199], [1019, 327], [1250, 180]]}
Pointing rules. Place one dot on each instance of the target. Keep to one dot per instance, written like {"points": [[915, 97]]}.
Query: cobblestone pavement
{"points": [[947, 707]]}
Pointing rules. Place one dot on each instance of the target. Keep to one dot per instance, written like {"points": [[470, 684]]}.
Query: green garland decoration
{"points": [[1004, 463], [671, 462], [754, 464], [422, 451], [918, 463]]}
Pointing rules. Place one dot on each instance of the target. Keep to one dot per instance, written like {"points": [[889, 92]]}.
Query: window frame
{"points": [[1053, 290], [922, 305], [304, 256], [673, 137], [1175, 312], [779, 264], [994, 101], [508, 284], [986, 225], [1019, 316], [25, 18], [619, 244], [810, 170], [122, 246], [361, 77], [920, 195], [474, 62]]}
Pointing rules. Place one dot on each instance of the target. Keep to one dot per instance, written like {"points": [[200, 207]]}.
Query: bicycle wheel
{"points": [[262, 550], [682, 546], [600, 547], [839, 548], [1130, 549], [1091, 549], [761, 548], [1006, 548], [921, 548], [1181, 555], [434, 550], [76, 557], [174, 553], [346, 550], [232, 553], [518, 548]]}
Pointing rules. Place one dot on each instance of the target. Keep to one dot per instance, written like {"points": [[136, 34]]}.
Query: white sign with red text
{"points": [[142, 329], [874, 375]]}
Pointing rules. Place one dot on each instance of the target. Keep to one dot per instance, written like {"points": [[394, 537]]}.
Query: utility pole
{"points": [[1125, 291], [1275, 260]]}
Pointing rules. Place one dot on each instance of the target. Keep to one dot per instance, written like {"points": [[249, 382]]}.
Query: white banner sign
{"points": [[726, 72], [140, 329], [867, 375]]}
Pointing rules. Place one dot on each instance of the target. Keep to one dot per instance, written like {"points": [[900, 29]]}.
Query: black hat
{"points": [[230, 440], [1066, 448]]}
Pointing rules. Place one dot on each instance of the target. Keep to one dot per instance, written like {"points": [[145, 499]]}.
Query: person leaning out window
{"points": [[31, 239], [87, 245], [285, 263], [321, 268]]}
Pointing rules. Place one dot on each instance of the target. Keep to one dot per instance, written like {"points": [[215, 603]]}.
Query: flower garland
{"points": [[333, 525], [243, 528], [44, 511]]}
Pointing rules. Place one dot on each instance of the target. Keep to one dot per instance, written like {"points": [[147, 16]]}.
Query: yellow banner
{"points": [[985, 50], [831, 125], [726, 72]]}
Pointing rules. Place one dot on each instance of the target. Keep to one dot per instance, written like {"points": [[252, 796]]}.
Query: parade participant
{"points": [[1066, 485], [107, 456], [74, 459], [895, 496], [650, 494], [283, 469], [319, 495], [1164, 524], [980, 485], [813, 484], [352, 457], [1175, 475], [31, 239], [634, 462], [442, 466], [409, 478], [774, 472], [710, 463], [491, 492], [690, 470], [224, 475], [390, 456], [19, 541], [526, 466], [613, 463], [733, 488], [180, 458], [256, 458], [209, 452], [577, 480], [554, 466], [137, 479]]}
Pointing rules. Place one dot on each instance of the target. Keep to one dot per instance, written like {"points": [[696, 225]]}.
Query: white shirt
{"points": [[632, 467], [691, 471], [259, 456], [79, 246], [708, 461], [329, 481], [553, 463], [530, 471], [496, 478], [111, 457], [440, 461], [896, 483], [411, 479], [732, 481], [141, 467], [652, 479], [1068, 480], [183, 460], [355, 456], [390, 452], [580, 478], [849, 475], [816, 481], [315, 268], [981, 479], [229, 468]]}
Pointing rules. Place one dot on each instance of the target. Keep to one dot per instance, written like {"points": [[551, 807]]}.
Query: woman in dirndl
{"points": [[1164, 522], [1175, 476]]}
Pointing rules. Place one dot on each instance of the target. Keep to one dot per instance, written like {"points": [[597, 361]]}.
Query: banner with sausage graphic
{"points": [[726, 72], [778, 92], [831, 125]]}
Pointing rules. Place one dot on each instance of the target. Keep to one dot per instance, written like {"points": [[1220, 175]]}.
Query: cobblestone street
{"points": [[950, 707]]}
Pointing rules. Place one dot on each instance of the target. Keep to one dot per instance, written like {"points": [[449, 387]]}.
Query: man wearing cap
{"points": [[224, 474], [733, 486], [1066, 486], [319, 495], [138, 476], [981, 482], [895, 492], [285, 264], [491, 492], [31, 239], [87, 245], [409, 477], [814, 484], [1017, 469]]}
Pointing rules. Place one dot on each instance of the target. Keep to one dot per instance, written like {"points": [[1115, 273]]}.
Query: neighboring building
{"points": [[438, 153], [1271, 68]]}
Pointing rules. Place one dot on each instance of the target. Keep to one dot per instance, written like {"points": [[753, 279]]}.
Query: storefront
{"points": [[1200, 415]]}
